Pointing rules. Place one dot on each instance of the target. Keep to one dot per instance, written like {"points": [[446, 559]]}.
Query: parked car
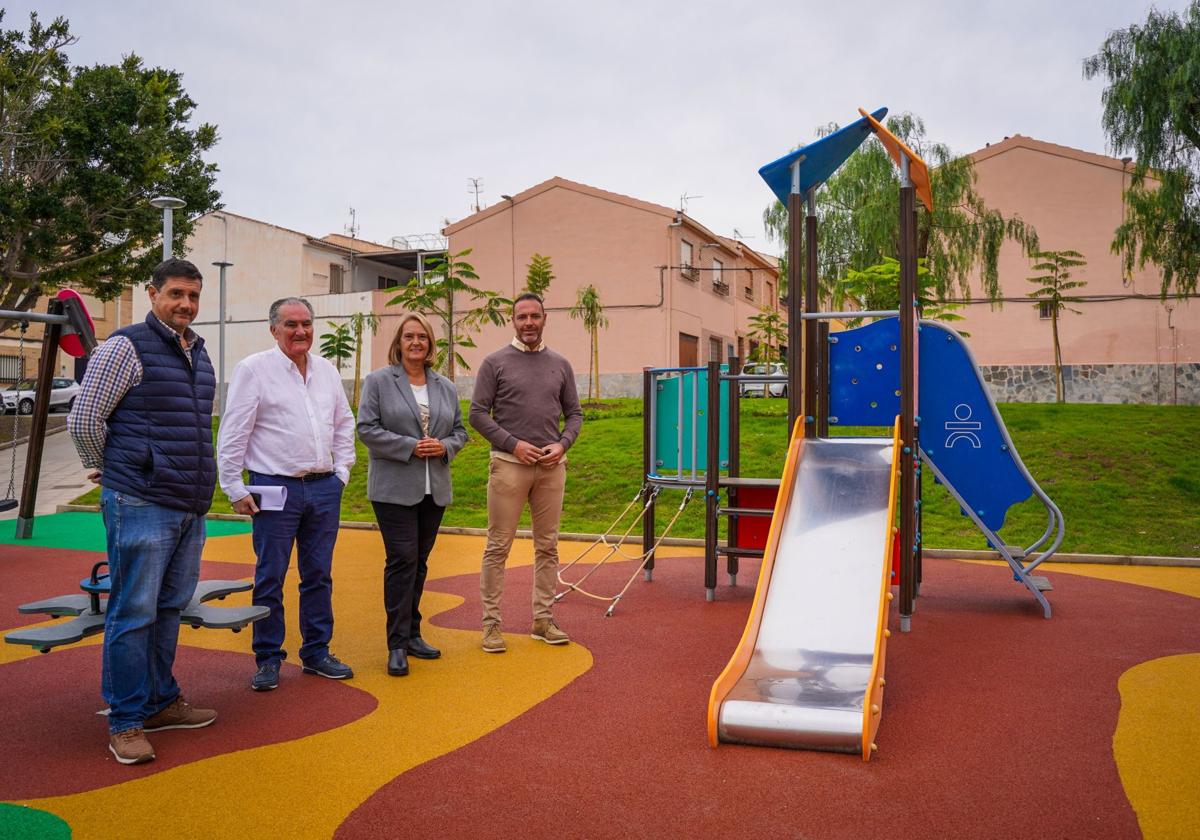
{"points": [[19, 397], [765, 389]]}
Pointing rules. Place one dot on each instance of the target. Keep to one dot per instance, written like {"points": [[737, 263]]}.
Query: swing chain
{"points": [[16, 427]]}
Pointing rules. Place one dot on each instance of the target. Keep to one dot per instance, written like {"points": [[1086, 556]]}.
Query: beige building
{"points": [[340, 276], [1128, 345], [675, 292]]}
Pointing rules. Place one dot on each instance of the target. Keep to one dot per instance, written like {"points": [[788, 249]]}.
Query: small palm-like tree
{"points": [[449, 282], [588, 309], [539, 276], [768, 331], [337, 345], [360, 323], [1053, 281]]}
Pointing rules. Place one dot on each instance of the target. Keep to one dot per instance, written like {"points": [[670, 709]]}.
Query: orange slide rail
{"points": [[873, 700]]}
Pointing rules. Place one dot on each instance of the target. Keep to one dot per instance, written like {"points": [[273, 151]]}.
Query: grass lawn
{"points": [[1127, 477]]}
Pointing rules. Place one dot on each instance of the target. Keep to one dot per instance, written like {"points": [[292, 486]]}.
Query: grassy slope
{"points": [[1127, 477]]}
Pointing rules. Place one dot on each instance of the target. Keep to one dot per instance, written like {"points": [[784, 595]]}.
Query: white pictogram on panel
{"points": [[963, 428]]}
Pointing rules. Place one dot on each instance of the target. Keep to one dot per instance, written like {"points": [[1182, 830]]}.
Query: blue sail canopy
{"points": [[819, 159]]}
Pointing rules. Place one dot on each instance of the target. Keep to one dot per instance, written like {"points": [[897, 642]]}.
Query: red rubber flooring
{"points": [[997, 723]]}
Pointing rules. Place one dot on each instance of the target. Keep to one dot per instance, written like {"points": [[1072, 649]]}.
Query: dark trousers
{"points": [[409, 532], [308, 521]]}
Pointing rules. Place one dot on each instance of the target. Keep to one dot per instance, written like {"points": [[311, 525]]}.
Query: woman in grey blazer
{"points": [[410, 421]]}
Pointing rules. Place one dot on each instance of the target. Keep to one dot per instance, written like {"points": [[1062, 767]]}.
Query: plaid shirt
{"points": [[113, 370]]}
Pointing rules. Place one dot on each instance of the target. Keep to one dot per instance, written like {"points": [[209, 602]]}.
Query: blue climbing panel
{"points": [[680, 415], [961, 430]]}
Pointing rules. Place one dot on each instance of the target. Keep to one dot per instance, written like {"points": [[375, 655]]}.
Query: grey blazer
{"points": [[389, 424]]}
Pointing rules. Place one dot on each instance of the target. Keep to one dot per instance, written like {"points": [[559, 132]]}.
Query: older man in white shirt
{"points": [[288, 423]]}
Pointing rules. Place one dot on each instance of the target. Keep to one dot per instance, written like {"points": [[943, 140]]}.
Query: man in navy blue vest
{"points": [[142, 424]]}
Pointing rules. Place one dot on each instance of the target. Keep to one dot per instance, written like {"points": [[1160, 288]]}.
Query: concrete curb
{"points": [[936, 553], [20, 441]]}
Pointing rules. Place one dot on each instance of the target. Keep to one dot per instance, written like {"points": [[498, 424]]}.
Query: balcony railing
{"points": [[689, 272]]}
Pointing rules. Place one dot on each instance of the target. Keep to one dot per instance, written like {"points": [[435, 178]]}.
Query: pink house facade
{"points": [[1128, 345], [675, 292]]}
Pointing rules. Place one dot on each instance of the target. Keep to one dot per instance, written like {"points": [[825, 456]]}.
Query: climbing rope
{"points": [[614, 548]]}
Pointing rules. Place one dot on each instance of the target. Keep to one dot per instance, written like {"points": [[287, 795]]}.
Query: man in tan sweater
{"points": [[522, 391]]}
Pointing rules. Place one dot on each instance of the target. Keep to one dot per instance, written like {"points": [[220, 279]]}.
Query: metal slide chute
{"points": [[808, 671]]}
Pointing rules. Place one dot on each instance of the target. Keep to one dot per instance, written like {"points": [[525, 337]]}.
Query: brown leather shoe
{"points": [[545, 630], [180, 715], [493, 641], [131, 747]]}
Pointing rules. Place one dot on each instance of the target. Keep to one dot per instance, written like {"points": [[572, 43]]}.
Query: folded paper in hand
{"points": [[268, 497]]}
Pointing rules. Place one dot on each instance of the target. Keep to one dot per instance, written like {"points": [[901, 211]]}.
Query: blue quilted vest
{"points": [[159, 445]]}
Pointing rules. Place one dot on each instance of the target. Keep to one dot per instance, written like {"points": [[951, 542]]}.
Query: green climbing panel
{"points": [[681, 408]]}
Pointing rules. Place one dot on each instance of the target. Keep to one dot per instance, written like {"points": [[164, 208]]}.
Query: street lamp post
{"points": [[221, 338], [168, 205]]}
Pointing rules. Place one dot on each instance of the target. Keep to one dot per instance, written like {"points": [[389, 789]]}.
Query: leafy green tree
{"points": [[360, 323], [1052, 282], [860, 220], [588, 309], [448, 279], [1152, 111], [540, 275], [337, 345], [877, 287], [82, 150], [769, 332]]}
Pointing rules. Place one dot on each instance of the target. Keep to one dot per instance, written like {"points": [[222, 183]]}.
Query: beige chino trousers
{"points": [[510, 486]]}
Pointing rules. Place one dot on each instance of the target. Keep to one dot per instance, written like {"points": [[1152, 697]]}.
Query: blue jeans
{"points": [[153, 563], [308, 521]]}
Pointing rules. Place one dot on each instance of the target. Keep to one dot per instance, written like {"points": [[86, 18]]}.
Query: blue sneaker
{"points": [[267, 677], [329, 666]]}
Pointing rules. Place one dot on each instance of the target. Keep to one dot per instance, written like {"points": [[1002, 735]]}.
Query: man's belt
{"points": [[315, 476]]}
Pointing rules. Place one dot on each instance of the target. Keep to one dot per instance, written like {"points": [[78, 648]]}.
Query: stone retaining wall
{"points": [[1147, 384]]}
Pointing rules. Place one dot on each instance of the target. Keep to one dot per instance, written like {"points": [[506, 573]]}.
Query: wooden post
{"points": [[37, 427], [909, 545], [648, 467], [712, 479], [795, 296], [812, 303]]}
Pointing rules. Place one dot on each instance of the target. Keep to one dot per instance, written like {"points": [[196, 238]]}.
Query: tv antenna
{"points": [[352, 228], [683, 200], [476, 188]]}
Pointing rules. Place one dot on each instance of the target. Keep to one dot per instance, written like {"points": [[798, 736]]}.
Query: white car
{"points": [[765, 389], [19, 397]]}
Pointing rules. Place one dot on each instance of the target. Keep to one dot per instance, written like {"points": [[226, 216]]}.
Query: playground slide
{"points": [[808, 672]]}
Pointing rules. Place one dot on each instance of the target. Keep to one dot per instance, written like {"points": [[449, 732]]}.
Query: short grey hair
{"points": [[273, 312]]}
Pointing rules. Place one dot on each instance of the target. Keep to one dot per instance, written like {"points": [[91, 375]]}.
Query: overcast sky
{"points": [[392, 107]]}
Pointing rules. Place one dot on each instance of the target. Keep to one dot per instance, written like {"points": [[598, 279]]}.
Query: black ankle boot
{"points": [[398, 663]]}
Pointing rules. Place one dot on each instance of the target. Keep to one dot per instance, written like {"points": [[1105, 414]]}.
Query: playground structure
{"points": [[809, 669], [69, 327]]}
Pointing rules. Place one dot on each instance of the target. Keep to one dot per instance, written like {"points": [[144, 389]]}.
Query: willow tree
{"points": [[588, 309], [859, 222], [1152, 112]]}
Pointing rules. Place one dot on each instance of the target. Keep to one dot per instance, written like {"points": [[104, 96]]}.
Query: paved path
{"points": [[62, 477]]}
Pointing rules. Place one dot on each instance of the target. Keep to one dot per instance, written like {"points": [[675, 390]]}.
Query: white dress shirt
{"points": [[278, 422]]}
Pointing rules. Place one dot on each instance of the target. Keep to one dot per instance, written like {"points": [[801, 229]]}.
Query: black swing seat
{"points": [[7, 505], [88, 611]]}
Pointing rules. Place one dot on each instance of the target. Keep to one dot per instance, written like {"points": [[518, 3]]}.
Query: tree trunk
{"points": [[596, 360], [357, 368], [1058, 377], [450, 348]]}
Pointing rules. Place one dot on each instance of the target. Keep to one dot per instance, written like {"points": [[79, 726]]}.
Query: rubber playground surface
{"points": [[997, 723]]}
